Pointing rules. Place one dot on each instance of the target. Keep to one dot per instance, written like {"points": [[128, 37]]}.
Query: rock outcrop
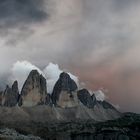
{"points": [[48, 100], [86, 99], [106, 105], [64, 92], [1, 93], [10, 95], [11, 134], [34, 90]]}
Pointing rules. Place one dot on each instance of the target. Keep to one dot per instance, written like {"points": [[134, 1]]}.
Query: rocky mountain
{"points": [[85, 98], [67, 113], [10, 95], [64, 92], [34, 90], [106, 105], [1, 92], [48, 100]]}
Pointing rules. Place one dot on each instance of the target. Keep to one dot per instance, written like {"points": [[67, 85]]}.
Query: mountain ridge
{"points": [[65, 95], [67, 108], [69, 113]]}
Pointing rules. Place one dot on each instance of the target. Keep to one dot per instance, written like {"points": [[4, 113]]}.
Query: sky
{"points": [[96, 40]]}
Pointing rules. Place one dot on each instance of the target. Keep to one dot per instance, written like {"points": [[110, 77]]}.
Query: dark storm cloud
{"points": [[15, 12], [16, 17]]}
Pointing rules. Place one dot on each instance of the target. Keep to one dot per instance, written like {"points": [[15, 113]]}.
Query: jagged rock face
{"points": [[66, 86], [106, 105], [11, 134], [67, 99], [15, 88], [48, 100], [86, 99], [34, 90], [1, 93], [10, 95]]}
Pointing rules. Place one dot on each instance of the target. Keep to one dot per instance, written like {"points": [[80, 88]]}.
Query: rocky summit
{"points": [[64, 92], [34, 90], [85, 98], [67, 113], [10, 95]]}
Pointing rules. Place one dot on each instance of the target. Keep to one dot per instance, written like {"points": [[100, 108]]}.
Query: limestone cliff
{"points": [[86, 99], [10, 95], [34, 90], [64, 92]]}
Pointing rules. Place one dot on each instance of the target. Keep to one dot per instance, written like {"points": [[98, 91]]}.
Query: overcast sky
{"points": [[97, 40]]}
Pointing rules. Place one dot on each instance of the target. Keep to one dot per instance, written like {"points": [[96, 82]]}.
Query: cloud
{"points": [[52, 72], [14, 13], [100, 96]]}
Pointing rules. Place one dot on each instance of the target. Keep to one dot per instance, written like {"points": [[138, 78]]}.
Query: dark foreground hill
{"points": [[125, 128]]}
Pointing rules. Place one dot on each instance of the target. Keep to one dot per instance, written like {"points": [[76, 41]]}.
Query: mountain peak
{"points": [[10, 95], [85, 98], [34, 90], [64, 83]]}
